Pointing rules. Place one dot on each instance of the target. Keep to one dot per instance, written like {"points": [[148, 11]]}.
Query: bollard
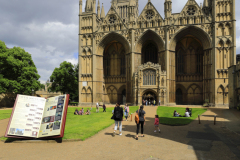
{"points": [[131, 117], [199, 119], [215, 117]]}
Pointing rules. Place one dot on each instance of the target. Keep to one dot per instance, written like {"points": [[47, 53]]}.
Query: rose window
{"points": [[112, 19], [149, 15], [191, 11]]}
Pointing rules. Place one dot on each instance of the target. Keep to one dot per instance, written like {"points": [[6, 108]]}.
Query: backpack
{"points": [[137, 117], [117, 114]]}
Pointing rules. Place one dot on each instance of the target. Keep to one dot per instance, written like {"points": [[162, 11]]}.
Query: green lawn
{"points": [[4, 114], [82, 127], [166, 115]]}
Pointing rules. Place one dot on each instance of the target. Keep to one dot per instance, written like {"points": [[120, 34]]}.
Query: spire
{"points": [[149, 0], [80, 6], [98, 9], [205, 3], [89, 6], [102, 12], [201, 5]]}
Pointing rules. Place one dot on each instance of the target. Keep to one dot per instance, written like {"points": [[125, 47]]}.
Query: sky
{"points": [[48, 29]]}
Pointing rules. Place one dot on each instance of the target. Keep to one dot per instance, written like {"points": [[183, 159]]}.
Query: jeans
{"points": [[116, 125], [142, 123], [104, 109]]}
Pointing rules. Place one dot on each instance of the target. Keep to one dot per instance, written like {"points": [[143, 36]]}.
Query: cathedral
{"points": [[128, 55]]}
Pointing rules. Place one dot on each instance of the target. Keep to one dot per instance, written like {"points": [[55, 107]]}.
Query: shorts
{"points": [[156, 125]]}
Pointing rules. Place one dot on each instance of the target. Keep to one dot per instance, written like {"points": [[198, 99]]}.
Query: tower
{"points": [[168, 8]]}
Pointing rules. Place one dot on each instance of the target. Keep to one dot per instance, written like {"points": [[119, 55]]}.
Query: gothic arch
{"points": [[149, 35], [220, 95], [112, 94], [194, 31], [113, 37]]}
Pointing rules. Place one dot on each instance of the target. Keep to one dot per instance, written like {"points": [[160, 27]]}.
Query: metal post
{"points": [[199, 119], [215, 117], [131, 117]]}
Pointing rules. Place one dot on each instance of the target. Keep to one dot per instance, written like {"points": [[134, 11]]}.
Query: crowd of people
{"points": [[150, 102], [120, 112]]}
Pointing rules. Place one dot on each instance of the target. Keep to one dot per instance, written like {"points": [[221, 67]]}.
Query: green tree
{"points": [[65, 79], [19, 73]]}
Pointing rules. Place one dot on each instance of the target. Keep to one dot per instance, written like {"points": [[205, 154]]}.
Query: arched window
{"points": [[149, 77], [123, 66], [149, 53], [180, 62]]}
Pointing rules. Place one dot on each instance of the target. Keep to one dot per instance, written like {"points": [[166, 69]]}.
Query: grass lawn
{"points": [[83, 127], [166, 115], [4, 114]]}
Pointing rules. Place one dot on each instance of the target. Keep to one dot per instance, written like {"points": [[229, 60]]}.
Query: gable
{"points": [[191, 8], [145, 14]]}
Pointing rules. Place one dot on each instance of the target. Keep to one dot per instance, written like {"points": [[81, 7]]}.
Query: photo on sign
{"points": [[34, 134], [48, 119], [49, 126], [19, 131], [56, 125], [12, 130]]}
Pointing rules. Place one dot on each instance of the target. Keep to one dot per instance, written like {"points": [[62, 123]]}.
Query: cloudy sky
{"points": [[48, 29]]}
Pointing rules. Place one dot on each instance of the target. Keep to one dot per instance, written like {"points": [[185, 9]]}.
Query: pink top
{"points": [[156, 121], [126, 107]]}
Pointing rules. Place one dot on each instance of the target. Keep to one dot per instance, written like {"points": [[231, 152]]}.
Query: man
{"points": [[104, 108], [143, 102], [97, 107], [159, 102]]}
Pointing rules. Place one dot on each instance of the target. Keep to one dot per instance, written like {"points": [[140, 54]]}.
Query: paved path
{"points": [[203, 141]]}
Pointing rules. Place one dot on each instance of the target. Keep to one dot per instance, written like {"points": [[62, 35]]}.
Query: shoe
{"points": [[155, 131], [120, 134], [114, 133]]}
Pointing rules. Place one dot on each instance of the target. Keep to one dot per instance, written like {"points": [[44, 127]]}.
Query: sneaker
{"points": [[120, 134], [114, 133], [155, 131]]}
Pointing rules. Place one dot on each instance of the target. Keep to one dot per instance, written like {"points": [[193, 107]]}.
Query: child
{"points": [[156, 124]]}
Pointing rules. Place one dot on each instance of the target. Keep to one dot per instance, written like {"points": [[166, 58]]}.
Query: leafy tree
{"points": [[19, 73], [65, 79]]}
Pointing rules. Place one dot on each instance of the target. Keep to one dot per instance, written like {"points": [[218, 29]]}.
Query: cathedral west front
{"points": [[128, 55]]}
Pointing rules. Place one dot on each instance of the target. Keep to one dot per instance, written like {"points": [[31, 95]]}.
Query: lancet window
{"points": [[149, 77]]}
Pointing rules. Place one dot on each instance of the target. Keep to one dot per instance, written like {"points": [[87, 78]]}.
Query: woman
{"points": [[118, 117], [87, 112], [126, 111], [175, 114], [76, 112], [141, 114], [80, 112]]}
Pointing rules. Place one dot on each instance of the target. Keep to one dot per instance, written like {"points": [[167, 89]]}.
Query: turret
{"points": [[98, 10], [80, 6], [102, 12], [168, 8]]}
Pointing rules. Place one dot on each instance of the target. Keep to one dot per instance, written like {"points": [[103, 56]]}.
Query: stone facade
{"points": [[182, 58], [234, 86]]}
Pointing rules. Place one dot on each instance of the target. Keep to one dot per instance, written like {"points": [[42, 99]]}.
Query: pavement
{"points": [[195, 141]]}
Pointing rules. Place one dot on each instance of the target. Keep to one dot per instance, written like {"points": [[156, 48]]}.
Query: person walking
{"points": [[118, 117], [104, 107], [141, 114], [143, 102], [97, 107], [156, 124], [126, 111]]}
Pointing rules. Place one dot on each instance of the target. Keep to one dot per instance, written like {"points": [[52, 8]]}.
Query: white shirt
{"points": [[187, 114], [97, 105]]}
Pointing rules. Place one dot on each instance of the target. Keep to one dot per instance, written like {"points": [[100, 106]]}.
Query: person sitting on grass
{"points": [[175, 114], [76, 112], [80, 112], [87, 112], [187, 113]]}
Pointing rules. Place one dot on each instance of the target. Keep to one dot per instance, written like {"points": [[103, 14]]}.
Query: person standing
{"points": [[126, 111], [154, 102], [159, 102], [104, 107], [146, 102], [118, 117], [156, 124], [141, 114], [143, 102], [97, 107]]}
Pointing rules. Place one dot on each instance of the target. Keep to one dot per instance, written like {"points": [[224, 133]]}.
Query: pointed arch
{"points": [[149, 35], [194, 31], [220, 95]]}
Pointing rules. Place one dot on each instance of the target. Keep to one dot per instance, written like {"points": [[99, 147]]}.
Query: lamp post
{"points": [[32, 92]]}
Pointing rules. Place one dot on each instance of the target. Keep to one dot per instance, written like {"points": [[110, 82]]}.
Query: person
{"points": [[141, 113], [149, 102], [154, 102], [104, 107], [187, 113], [159, 102], [126, 111], [146, 102], [143, 102], [87, 112], [76, 112], [175, 114], [118, 117], [97, 107], [156, 124], [80, 112]]}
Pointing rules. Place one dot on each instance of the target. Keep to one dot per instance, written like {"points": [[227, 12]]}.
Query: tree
{"points": [[19, 73], [65, 79]]}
